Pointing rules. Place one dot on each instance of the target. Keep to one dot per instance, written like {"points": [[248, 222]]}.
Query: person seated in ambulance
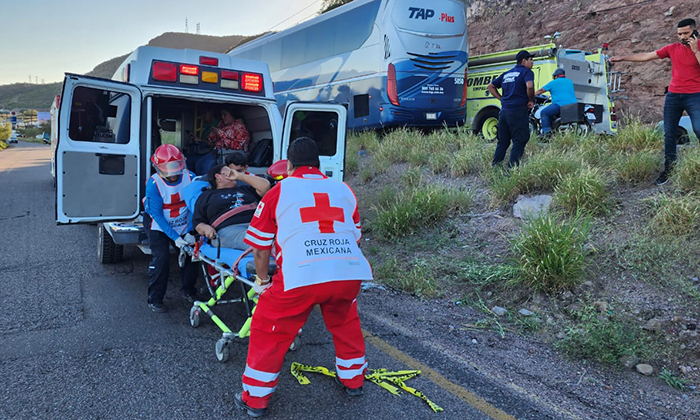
{"points": [[225, 211], [167, 224], [231, 133], [562, 91], [200, 150]]}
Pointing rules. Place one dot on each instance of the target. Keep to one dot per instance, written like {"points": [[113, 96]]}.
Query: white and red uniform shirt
{"points": [[174, 208], [314, 225]]}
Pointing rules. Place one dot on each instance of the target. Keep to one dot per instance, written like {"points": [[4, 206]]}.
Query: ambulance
{"points": [[108, 129], [594, 84]]}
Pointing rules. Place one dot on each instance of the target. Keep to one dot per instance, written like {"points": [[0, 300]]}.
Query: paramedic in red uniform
{"points": [[170, 223], [314, 225]]}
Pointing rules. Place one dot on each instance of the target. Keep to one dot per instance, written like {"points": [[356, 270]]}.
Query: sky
{"points": [[46, 38]]}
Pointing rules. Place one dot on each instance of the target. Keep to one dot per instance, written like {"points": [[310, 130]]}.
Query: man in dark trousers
{"points": [[684, 90], [517, 98]]}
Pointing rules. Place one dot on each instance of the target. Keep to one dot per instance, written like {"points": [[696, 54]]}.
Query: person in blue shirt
{"points": [[517, 98], [169, 223], [562, 91]]}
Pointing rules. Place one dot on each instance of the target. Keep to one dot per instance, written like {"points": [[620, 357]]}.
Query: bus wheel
{"points": [[488, 125], [107, 251]]}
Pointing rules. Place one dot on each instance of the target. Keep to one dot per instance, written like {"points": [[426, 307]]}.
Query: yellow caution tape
{"points": [[377, 376]]}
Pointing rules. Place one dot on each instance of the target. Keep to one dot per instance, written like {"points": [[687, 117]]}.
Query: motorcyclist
{"points": [[562, 90]]}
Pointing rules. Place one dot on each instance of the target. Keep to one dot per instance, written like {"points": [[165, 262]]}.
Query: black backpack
{"points": [[261, 153]]}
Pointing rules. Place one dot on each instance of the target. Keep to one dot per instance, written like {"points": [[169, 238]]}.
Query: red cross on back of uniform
{"points": [[322, 213]]}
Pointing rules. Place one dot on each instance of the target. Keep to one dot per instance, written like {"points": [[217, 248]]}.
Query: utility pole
{"points": [[197, 28], [186, 28]]}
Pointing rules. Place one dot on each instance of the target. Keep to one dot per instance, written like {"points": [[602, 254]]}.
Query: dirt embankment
{"points": [[629, 26]]}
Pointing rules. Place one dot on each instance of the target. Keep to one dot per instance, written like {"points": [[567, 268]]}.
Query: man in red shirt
{"points": [[314, 225], [684, 90]]}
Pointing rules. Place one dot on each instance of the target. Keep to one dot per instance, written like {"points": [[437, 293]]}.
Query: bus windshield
{"points": [[440, 17]]}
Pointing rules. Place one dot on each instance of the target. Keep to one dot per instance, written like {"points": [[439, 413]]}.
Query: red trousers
{"points": [[278, 317]]}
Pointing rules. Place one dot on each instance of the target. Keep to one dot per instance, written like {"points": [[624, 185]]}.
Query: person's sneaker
{"points": [[355, 392], [158, 307], [662, 179], [252, 412]]}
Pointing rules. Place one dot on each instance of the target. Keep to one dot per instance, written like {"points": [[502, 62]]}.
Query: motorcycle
{"points": [[578, 118]]}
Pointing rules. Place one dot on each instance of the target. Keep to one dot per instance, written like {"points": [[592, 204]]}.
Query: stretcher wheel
{"points": [[295, 344], [222, 350], [194, 317]]}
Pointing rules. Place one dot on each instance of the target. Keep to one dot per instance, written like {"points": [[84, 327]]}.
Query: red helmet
{"points": [[168, 160], [278, 170]]}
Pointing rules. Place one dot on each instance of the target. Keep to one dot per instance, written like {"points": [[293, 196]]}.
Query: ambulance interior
{"points": [[174, 119]]}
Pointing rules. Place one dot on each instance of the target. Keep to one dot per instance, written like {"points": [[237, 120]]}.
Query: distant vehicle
{"points": [[46, 137], [39, 136], [13, 138], [685, 130], [390, 62], [21, 136]]}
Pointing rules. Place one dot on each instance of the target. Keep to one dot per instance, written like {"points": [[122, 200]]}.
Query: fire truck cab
{"points": [[108, 130]]}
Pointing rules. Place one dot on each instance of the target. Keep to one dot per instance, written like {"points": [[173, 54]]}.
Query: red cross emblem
{"points": [[176, 203], [322, 213]]}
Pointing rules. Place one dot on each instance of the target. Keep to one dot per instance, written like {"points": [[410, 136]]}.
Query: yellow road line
{"points": [[444, 383]]}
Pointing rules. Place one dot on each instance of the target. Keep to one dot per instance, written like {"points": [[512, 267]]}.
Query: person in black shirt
{"points": [[227, 208], [517, 85]]}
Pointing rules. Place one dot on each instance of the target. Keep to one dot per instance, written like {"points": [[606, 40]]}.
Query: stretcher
{"points": [[225, 270]]}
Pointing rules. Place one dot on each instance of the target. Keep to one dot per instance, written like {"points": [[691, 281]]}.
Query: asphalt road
{"points": [[77, 340]]}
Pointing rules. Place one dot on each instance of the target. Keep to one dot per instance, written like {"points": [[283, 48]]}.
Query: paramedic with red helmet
{"points": [[169, 223], [314, 225]]}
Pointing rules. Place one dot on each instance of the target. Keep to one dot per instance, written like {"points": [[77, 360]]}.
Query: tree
{"points": [[5, 131], [329, 5]]}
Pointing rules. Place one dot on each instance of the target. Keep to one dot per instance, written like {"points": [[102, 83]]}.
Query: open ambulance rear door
{"points": [[98, 152], [327, 125]]}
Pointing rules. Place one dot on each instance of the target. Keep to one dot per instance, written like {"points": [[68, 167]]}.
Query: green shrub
{"points": [[419, 280], [583, 192], [541, 172], [471, 158], [416, 208], [686, 174], [636, 168], [413, 177], [674, 215], [366, 174], [550, 252], [635, 137], [603, 338]]}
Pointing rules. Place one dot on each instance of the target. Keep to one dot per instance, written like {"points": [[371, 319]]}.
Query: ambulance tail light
{"points": [[464, 89], [165, 72], [229, 79], [391, 85], [613, 115], [208, 61], [189, 70], [252, 82]]}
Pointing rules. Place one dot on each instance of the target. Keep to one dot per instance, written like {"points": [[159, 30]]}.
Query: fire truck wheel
{"points": [[487, 124]]}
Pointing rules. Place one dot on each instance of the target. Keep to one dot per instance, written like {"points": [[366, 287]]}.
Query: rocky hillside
{"points": [[629, 26]]}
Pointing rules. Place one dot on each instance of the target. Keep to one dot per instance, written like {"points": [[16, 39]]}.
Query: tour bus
{"points": [[594, 84], [390, 62], [108, 130]]}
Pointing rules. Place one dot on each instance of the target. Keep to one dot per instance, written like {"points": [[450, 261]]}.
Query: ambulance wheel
{"points": [[683, 136], [222, 350], [487, 124], [194, 317], [295, 344], [107, 251]]}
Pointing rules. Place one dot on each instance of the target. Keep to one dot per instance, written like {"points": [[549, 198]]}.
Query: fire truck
{"points": [[594, 83], [107, 130]]}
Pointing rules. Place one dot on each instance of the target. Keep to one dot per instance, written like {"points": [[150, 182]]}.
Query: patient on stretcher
{"points": [[225, 210]]}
